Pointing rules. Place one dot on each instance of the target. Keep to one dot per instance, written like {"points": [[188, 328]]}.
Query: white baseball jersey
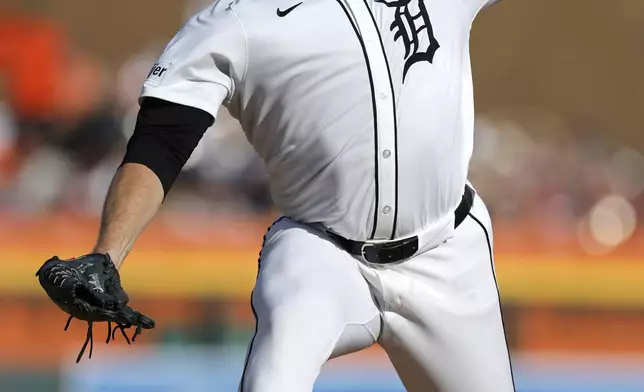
{"points": [[362, 110]]}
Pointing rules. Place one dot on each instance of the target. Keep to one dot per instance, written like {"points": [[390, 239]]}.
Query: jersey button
{"points": [[386, 154], [386, 210], [383, 96]]}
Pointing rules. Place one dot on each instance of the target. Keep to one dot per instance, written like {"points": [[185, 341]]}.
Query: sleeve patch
{"points": [[157, 73]]}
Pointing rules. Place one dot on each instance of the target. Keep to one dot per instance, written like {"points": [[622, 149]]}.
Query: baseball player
{"points": [[362, 111]]}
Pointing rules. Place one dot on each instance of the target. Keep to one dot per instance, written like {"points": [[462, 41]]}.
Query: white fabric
{"points": [[300, 87], [201, 63], [385, 116], [441, 322]]}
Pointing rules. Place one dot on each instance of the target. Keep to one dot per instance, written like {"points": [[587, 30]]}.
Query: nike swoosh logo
{"points": [[282, 14]]}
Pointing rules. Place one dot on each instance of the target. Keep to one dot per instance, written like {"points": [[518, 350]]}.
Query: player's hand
{"points": [[89, 288]]}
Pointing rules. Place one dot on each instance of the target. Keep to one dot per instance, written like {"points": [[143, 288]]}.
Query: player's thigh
{"points": [[307, 296], [447, 331], [306, 279], [472, 357]]}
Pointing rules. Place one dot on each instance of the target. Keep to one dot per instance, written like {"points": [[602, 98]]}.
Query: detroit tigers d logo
{"points": [[412, 24]]}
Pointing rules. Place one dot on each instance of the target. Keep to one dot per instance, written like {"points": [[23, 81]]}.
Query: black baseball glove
{"points": [[89, 288]]}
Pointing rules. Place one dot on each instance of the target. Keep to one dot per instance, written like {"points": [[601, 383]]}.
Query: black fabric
{"points": [[393, 251], [465, 206], [165, 136]]}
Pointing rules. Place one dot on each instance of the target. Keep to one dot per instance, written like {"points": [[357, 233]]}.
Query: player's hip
{"points": [[356, 216], [396, 250]]}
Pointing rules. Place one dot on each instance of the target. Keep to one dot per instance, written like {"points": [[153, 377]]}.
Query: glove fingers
{"points": [[83, 311], [56, 277], [47, 265], [146, 322], [131, 317]]}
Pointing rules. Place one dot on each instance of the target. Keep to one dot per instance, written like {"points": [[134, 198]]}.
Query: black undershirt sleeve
{"points": [[164, 137]]}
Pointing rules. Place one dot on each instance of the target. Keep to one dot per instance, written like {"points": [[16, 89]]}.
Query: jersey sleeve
{"points": [[202, 64]]}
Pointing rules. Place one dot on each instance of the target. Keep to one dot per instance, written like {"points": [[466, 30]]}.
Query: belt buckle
{"points": [[363, 252]]}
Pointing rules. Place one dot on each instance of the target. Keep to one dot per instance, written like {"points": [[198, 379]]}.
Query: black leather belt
{"points": [[393, 251]]}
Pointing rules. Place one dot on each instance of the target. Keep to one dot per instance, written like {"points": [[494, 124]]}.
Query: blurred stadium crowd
{"points": [[65, 119]]}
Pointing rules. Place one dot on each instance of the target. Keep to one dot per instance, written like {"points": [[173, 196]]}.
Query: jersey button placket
{"points": [[386, 144], [385, 120]]}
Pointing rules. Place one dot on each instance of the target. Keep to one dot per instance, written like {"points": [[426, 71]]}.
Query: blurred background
{"points": [[558, 159]]}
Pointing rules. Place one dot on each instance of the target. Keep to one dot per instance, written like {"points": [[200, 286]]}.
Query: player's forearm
{"points": [[133, 199], [164, 137]]}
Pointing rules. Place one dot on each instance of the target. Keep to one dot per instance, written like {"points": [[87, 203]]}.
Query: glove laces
{"points": [[111, 334]]}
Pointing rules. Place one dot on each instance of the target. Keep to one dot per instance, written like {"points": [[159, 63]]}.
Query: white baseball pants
{"points": [[437, 315]]}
